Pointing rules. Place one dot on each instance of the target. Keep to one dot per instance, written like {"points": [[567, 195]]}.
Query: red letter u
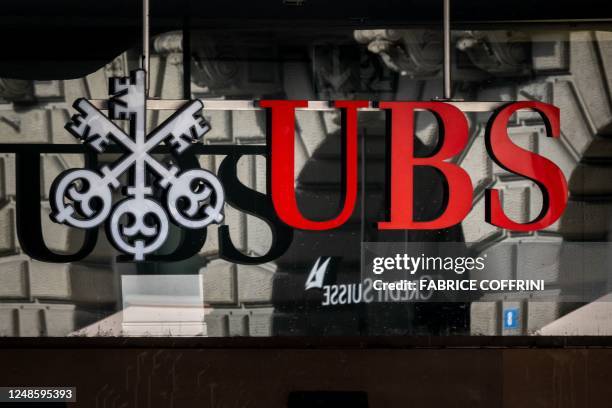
{"points": [[281, 124]]}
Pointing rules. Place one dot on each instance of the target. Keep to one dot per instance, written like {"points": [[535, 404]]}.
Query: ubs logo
{"points": [[157, 194], [137, 225]]}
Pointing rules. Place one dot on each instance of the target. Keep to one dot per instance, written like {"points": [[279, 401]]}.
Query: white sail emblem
{"points": [[317, 273]]}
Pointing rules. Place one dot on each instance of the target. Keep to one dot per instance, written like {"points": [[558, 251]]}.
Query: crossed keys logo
{"points": [[138, 224]]}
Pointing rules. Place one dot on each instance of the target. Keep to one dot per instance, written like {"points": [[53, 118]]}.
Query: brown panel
{"points": [[557, 378], [259, 378]]}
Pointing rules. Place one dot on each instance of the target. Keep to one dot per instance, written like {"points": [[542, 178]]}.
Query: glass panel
{"points": [[322, 282]]}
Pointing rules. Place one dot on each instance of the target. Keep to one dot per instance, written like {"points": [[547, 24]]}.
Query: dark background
{"points": [[393, 372], [69, 38]]}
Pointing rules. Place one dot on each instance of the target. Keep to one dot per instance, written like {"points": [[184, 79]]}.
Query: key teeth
{"points": [[205, 128], [80, 106], [202, 125], [99, 143], [78, 128], [77, 125], [117, 108], [118, 85], [198, 130], [179, 144], [122, 90]]}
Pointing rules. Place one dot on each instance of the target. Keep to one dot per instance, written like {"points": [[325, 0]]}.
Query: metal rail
{"points": [[447, 51], [79, 148], [146, 57], [253, 105]]}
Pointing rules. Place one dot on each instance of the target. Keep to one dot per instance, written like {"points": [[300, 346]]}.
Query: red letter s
{"points": [[542, 171]]}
